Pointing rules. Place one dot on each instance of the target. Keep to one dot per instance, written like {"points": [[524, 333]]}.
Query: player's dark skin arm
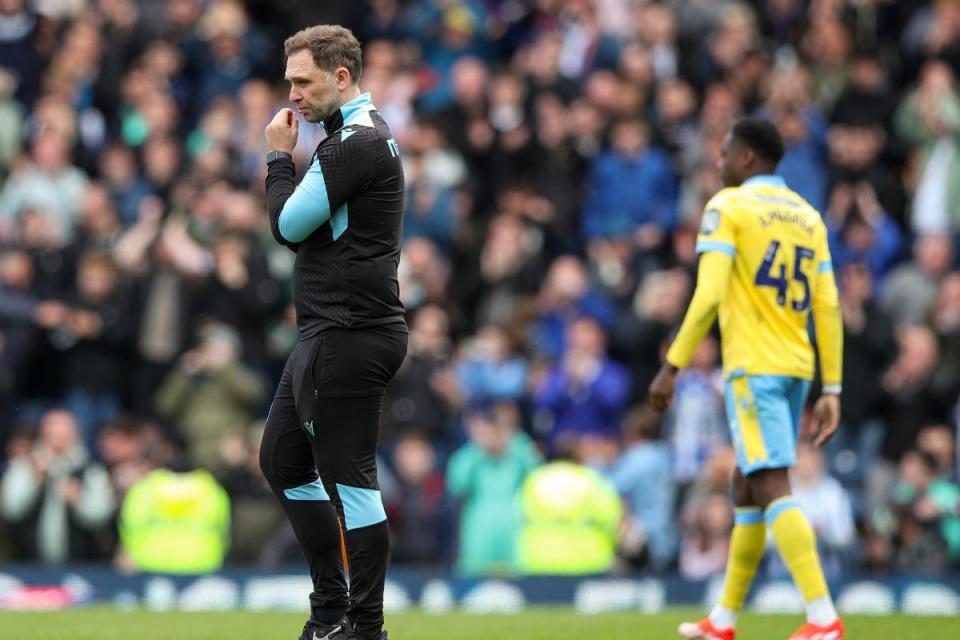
{"points": [[707, 301], [661, 389]]}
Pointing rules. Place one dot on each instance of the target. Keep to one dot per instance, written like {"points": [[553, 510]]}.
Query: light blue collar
{"points": [[361, 104], [770, 180]]}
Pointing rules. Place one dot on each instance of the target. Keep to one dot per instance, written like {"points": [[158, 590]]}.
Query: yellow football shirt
{"points": [[765, 267]]}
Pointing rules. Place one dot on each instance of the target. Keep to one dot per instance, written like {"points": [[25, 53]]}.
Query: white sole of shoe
{"points": [[690, 631], [833, 635]]}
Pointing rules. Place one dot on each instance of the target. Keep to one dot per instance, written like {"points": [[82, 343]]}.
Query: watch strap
{"points": [[277, 155]]}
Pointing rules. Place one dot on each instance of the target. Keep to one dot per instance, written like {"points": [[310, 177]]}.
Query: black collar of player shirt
{"points": [[334, 122], [336, 119]]}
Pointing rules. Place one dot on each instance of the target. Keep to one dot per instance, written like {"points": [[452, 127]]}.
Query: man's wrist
{"points": [[832, 389], [278, 154]]}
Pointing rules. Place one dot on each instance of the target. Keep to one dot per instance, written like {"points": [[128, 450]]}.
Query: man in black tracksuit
{"points": [[344, 222]]}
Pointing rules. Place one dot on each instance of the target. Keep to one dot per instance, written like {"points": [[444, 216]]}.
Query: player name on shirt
{"points": [[767, 218]]}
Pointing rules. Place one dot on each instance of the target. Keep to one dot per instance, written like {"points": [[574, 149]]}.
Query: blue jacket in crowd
{"points": [[625, 193]]}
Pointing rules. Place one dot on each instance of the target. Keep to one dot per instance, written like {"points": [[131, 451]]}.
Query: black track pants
{"points": [[319, 456]]}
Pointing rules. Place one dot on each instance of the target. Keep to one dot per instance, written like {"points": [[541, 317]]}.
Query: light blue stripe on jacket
{"points": [[308, 206]]}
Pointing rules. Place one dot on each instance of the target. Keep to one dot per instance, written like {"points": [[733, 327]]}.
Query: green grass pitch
{"points": [[534, 624]]}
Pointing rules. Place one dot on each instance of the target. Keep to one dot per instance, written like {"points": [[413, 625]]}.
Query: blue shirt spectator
{"points": [[643, 476], [434, 174], [860, 231], [429, 214], [804, 165], [566, 296], [586, 392], [230, 53], [695, 424], [118, 167], [613, 208], [447, 33], [492, 372], [18, 27]]}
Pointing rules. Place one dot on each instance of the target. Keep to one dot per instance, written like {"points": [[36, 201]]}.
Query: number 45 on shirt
{"points": [[766, 277]]}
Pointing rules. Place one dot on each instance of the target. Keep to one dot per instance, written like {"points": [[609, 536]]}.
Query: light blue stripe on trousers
{"points": [[361, 507], [311, 491]]}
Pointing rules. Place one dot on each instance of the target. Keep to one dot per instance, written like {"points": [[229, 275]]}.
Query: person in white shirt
{"points": [[825, 503]]}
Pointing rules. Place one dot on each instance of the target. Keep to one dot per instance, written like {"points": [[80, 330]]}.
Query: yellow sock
{"points": [[746, 550], [797, 545]]}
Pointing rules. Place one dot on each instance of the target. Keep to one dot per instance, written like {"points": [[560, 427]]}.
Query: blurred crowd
{"points": [[558, 154]]}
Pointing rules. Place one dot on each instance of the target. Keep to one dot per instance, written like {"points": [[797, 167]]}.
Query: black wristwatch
{"points": [[276, 155]]}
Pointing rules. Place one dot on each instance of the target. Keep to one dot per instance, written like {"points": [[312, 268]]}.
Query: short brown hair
{"points": [[332, 46], [96, 260]]}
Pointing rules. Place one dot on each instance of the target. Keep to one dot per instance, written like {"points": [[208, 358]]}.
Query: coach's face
{"points": [[317, 93]]}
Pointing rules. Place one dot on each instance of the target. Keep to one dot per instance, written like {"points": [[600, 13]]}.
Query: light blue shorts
{"points": [[763, 413]]}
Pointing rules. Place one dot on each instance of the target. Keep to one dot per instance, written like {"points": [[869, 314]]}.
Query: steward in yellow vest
{"points": [[176, 522]]}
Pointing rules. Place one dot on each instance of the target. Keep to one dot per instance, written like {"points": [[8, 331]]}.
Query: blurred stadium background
{"points": [[558, 154]]}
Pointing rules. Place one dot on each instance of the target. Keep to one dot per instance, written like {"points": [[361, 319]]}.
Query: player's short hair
{"points": [[761, 136], [331, 45]]}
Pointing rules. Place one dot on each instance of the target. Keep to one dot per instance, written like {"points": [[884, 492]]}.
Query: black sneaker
{"points": [[314, 630]]}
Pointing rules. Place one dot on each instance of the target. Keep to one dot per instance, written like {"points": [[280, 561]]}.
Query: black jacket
{"points": [[345, 274]]}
